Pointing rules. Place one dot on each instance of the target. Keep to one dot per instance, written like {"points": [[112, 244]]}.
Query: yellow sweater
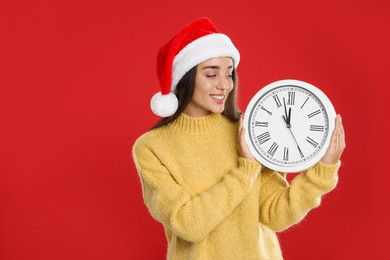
{"points": [[214, 204]]}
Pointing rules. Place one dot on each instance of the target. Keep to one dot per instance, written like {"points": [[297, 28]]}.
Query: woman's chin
{"points": [[218, 110]]}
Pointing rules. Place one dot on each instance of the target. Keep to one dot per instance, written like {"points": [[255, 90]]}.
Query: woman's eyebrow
{"points": [[215, 67], [211, 67]]}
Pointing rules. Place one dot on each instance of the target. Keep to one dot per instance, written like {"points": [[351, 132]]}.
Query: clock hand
{"points": [[289, 117], [285, 120], [285, 117], [299, 149]]}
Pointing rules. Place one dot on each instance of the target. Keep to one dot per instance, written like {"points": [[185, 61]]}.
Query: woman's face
{"points": [[213, 84]]}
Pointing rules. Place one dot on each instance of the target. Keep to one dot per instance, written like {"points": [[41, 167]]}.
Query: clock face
{"points": [[289, 125]]}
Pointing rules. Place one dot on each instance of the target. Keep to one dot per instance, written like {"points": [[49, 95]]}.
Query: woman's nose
{"points": [[223, 83]]}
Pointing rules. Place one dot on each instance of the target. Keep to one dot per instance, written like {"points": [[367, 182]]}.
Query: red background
{"points": [[76, 78]]}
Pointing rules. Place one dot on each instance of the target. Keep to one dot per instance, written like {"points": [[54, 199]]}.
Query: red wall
{"points": [[76, 78]]}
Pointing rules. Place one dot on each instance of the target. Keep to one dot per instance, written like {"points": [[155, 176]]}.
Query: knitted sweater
{"points": [[213, 203]]}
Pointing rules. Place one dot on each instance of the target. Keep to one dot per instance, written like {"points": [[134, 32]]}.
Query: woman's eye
{"points": [[210, 76]]}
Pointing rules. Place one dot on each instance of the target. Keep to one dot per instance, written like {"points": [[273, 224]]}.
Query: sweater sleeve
{"points": [[283, 205], [191, 217]]}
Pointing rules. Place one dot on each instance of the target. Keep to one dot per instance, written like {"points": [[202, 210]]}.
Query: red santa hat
{"points": [[199, 41]]}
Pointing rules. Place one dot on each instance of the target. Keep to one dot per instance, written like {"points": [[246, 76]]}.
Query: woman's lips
{"points": [[218, 98]]}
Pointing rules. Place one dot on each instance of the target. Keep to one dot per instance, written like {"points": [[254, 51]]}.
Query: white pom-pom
{"points": [[164, 105]]}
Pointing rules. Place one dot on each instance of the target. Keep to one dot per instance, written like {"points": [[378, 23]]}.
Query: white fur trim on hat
{"points": [[210, 46], [164, 105]]}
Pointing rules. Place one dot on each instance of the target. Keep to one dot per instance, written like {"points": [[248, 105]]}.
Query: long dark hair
{"points": [[185, 89]]}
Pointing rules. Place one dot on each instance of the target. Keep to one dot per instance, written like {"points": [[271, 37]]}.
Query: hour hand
{"points": [[285, 117], [289, 116]]}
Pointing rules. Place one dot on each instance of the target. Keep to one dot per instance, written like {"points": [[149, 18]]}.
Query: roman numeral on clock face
{"points": [[304, 103], [276, 98], [269, 112], [312, 142], [314, 113], [285, 154], [273, 149], [319, 128], [291, 98], [264, 137], [262, 124]]}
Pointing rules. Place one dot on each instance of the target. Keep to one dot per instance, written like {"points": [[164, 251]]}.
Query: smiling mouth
{"points": [[218, 97]]}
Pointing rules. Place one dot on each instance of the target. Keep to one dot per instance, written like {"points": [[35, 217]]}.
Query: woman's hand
{"points": [[337, 144], [243, 148]]}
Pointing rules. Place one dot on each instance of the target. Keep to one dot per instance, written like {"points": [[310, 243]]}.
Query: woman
{"points": [[199, 179]]}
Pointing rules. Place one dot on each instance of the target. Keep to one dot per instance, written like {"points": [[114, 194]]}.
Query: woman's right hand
{"points": [[337, 143], [243, 148]]}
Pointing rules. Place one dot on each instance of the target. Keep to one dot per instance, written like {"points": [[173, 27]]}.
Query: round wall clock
{"points": [[289, 124]]}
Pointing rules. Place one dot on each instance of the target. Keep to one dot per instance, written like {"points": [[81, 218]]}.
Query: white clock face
{"points": [[289, 125]]}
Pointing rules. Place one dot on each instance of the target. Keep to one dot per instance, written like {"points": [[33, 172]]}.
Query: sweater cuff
{"points": [[323, 175], [327, 171], [250, 167], [248, 163]]}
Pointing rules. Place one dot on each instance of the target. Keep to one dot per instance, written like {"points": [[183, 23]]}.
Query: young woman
{"points": [[199, 179]]}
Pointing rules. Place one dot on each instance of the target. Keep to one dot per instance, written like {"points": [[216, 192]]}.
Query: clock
{"points": [[289, 125]]}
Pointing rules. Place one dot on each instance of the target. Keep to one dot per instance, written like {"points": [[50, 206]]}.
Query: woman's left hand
{"points": [[337, 144], [243, 148]]}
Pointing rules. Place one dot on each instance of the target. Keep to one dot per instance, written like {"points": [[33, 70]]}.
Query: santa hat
{"points": [[199, 41]]}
